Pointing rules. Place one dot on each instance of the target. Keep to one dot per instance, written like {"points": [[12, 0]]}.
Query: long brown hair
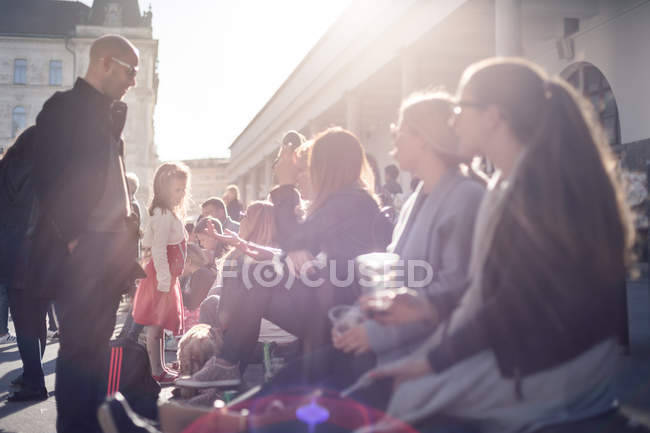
{"points": [[337, 160], [161, 184], [564, 218]]}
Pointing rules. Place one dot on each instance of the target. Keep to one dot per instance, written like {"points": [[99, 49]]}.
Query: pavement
{"points": [[632, 382]]}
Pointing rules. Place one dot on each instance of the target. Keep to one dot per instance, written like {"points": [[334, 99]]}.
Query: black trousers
{"points": [[29, 319], [93, 279]]}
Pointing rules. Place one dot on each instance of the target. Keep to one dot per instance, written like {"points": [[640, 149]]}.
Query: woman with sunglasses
{"points": [[534, 340]]}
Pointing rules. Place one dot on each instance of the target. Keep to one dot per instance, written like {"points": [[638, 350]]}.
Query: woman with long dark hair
{"points": [[534, 340]]}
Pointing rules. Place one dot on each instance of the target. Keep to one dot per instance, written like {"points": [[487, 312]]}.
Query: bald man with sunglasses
{"points": [[85, 247]]}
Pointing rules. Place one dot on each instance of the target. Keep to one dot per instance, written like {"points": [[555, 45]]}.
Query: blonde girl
{"points": [[158, 303]]}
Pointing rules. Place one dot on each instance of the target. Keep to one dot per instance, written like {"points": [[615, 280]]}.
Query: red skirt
{"points": [[164, 309]]}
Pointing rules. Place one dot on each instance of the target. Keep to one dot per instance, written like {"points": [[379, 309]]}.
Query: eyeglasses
{"points": [[457, 108], [131, 70]]}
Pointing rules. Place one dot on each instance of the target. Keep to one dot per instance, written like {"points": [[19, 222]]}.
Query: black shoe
{"points": [[116, 416], [28, 394]]}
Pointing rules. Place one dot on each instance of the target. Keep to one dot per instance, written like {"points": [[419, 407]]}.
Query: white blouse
{"points": [[164, 229]]}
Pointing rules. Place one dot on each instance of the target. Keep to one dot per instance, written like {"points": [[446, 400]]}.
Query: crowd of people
{"points": [[510, 322]]}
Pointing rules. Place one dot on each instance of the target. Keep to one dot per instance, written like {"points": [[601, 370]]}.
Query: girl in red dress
{"points": [[158, 303]]}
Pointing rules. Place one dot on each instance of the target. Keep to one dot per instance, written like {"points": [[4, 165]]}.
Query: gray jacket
{"points": [[440, 233]]}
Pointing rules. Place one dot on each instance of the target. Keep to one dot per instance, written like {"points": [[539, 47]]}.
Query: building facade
{"points": [[380, 51], [208, 180], [44, 47]]}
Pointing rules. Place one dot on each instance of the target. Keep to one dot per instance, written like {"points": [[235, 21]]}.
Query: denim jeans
{"points": [[4, 310]]}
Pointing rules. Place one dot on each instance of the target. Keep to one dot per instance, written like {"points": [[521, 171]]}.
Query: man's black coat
{"points": [[74, 132]]}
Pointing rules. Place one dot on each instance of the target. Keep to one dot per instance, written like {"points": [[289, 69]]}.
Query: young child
{"points": [[158, 303]]}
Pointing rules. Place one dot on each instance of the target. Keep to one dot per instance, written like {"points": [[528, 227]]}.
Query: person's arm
{"points": [[453, 239], [383, 338], [161, 225], [469, 339]]}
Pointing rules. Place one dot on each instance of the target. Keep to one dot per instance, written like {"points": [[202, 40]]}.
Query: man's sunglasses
{"points": [[131, 70]]}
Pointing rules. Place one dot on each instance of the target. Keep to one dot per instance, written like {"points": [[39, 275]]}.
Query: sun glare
{"points": [[220, 62]]}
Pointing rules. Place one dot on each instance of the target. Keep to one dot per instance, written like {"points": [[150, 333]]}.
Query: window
{"points": [[18, 121], [20, 71], [56, 72], [594, 86]]}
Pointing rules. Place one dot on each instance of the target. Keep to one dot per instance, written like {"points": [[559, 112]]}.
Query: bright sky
{"points": [[219, 61]]}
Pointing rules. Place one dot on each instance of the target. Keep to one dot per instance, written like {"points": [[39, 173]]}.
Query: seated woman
{"points": [[338, 226], [435, 226], [533, 342]]}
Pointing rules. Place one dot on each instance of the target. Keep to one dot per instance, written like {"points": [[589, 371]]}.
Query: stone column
{"points": [[409, 71], [508, 27], [353, 113]]}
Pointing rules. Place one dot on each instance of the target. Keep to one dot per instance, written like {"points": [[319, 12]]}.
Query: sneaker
{"points": [[165, 378], [7, 338], [116, 416], [215, 373]]}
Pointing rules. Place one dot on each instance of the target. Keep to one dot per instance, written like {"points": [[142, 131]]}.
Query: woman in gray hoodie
{"points": [[433, 235]]}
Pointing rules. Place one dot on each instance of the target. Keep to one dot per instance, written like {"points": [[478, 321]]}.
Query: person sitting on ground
{"points": [[257, 226], [444, 206], [338, 227], [213, 248]]}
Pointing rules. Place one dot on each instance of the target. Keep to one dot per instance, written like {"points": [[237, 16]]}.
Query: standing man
{"points": [[85, 244]]}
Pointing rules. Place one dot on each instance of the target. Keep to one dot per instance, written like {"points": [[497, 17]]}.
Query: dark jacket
{"points": [[546, 314], [74, 132], [18, 208], [342, 228]]}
